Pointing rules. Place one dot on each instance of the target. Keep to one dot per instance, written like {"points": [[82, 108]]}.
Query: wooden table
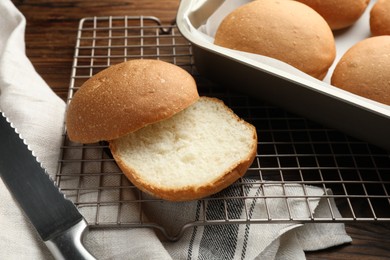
{"points": [[50, 40]]}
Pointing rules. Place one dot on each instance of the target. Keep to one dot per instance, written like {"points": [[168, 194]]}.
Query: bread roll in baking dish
{"points": [[380, 18], [282, 29], [338, 14], [364, 69]]}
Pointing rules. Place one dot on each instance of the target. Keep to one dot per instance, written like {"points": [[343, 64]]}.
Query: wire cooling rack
{"points": [[294, 154]]}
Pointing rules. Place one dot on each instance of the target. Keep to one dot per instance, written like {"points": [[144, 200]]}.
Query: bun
{"points": [[380, 18], [126, 97], [196, 153], [282, 29], [338, 14], [167, 141], [364, 69]]}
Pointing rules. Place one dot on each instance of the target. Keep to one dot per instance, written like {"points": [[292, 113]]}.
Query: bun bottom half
{"points": [[196, 153]]}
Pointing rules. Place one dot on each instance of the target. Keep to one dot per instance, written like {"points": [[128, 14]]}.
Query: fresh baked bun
{"points": [[197, 152], [338, 13], [126, 97], [364, 69], [380, 18], [167, 141], [282, 29]]}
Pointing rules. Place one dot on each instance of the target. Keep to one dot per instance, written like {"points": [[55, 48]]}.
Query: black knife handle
{"points": [[69, 245]]}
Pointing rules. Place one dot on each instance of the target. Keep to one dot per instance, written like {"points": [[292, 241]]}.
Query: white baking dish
{"points": [[283, 85]]}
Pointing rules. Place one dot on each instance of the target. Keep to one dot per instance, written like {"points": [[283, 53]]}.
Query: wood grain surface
{"points": [[50, 41], [52, 28]]}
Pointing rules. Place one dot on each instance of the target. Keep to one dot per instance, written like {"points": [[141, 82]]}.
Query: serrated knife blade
{"points": [[57, 220]]}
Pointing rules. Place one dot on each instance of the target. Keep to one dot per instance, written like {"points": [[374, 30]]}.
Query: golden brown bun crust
{"points": [[126, 97], [380, 18], [338, 13], [282, 29], [189, 193], [364, 69]]}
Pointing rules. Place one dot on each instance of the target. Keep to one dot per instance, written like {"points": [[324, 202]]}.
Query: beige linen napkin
{"points": [[38, 114]]}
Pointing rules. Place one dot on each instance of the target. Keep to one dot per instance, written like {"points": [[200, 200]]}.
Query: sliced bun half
{"points": [[197, 152], [126, 97]]}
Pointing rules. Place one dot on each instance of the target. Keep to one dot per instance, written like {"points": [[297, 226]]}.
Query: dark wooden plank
{"points": [[52, 27], [370, 241]]}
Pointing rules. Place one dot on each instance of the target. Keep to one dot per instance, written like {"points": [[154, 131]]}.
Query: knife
{"points": [[57, 220]]}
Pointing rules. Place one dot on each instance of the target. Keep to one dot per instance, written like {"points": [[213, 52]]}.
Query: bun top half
{"points": [[126, 97]]}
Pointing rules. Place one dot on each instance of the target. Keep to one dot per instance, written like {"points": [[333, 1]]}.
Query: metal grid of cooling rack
{"points": [[294, 154]]}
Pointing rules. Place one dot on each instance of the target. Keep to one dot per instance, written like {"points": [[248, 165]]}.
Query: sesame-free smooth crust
{"points": [[338, 14], [364, 69], [126, 97], [281, 29], [380, 18]]}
